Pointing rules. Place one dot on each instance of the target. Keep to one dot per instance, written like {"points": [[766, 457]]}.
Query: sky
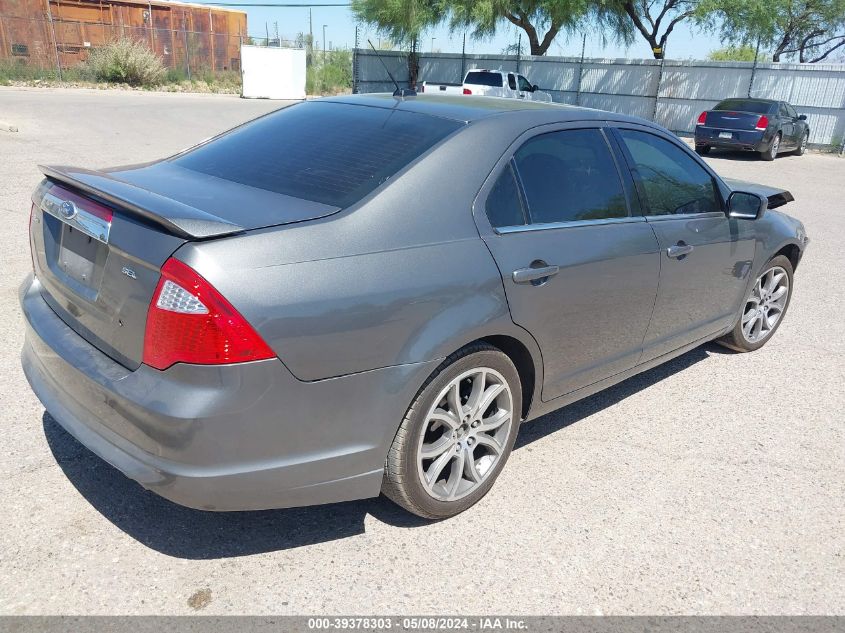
{"points": [[340, 33]]}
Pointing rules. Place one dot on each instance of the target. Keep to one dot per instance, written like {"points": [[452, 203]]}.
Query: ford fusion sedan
{"points": [[756, 125], [338, 299]]}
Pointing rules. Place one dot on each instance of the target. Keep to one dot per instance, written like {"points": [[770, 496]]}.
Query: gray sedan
{"points": [[371, 294]]}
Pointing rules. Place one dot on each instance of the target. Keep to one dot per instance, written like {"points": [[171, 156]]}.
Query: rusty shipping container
{"points": [[44, 32]]}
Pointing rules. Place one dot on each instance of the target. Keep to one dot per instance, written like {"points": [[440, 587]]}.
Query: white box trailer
{"points": [[273, 73]]}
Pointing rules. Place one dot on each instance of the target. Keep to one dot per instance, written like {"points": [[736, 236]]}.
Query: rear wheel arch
{"points": [[524, 362]]}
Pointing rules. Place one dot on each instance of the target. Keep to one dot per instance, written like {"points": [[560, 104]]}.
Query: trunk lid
{"points": [[99, 240], [728, 120]]}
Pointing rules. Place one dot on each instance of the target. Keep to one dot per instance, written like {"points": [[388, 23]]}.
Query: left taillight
{"points": [[189, 321], [702, 118]]}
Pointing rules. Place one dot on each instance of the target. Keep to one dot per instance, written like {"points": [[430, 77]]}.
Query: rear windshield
{"points": [[484, 79], [745, 105], [326, 152]]}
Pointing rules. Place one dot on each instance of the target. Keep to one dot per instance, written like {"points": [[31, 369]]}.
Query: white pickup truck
{"points": [[490, 83]]}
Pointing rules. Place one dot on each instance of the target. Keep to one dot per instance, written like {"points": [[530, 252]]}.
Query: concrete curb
{"points": [[7, 127]]}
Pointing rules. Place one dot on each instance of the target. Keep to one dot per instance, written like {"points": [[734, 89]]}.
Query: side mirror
{"points": [[535, 88], [743, 205], [802, 117]]}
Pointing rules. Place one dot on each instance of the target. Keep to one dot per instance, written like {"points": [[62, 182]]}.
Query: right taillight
{"points": [[762, 123], [189, 321], [467, 91], [702, 118]]}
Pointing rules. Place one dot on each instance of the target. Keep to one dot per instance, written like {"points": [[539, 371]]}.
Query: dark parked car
{"points": [[756, 125], [366, 294]]}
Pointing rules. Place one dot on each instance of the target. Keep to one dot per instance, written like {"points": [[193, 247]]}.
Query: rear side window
{"points": [[503, 206], [332, 153], [570, 175], [481, 78], [671, 180], [745, 105]]}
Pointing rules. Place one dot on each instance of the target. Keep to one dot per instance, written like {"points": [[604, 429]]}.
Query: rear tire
{"points": [[760, 306], [702, 150], [457, 434], [772, 152]]}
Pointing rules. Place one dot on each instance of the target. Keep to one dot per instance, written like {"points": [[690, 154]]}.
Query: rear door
{"points": [[787, 126], [705, 258], [580, 271]]}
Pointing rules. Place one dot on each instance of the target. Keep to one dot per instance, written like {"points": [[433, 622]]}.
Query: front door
{"points": [[580, 272], [705, 258]]}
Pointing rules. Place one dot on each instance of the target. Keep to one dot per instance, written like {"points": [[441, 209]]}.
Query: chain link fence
{"points": [[669, 92]]}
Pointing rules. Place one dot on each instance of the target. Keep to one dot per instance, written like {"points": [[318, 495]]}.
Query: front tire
{"points": [[457, 434], [802, 147], [771, 153], [763, 310]]}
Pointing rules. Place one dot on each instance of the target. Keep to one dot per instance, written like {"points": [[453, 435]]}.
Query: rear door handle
{"points": [[528, 275], [679, 250]]}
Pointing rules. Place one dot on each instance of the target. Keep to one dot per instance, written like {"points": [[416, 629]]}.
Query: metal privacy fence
{"points": [[671, 93]]}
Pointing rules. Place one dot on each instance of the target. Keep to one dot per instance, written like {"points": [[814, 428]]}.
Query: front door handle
{"points": [[679, 250], [531, 275]]}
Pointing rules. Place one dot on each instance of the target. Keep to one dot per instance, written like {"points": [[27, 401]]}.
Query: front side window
{"points": [[670, 179], [569, 176], [791, 111], [524, 85]]}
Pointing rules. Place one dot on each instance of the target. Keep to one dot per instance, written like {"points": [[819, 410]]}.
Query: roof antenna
{"points": [[400, 93]]}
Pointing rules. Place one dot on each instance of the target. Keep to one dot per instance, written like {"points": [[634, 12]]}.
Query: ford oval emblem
{"points": [[68, 209]]}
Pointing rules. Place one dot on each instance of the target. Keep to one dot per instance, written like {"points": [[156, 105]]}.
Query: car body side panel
{"points": [[402, 277]]}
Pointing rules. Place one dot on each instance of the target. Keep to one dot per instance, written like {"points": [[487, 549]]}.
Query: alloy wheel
{"points": [[766, 304], [775, 146], [465, 434]]}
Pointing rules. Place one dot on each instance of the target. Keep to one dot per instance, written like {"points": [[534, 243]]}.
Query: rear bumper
{"points": [[755, 141], [234, 437]]}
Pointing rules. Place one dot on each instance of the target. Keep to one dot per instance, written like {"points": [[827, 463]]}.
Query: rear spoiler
{"points": [[173, 216], [777, 197]]}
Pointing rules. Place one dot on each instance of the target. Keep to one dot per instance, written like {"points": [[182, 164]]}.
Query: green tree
{"points": [[403, 21], [741, 53], [804, 30], [541, 20], [653, 20]]}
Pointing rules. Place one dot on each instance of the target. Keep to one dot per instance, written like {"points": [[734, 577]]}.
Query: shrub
{"points": [[330, 73], [127, 61]]}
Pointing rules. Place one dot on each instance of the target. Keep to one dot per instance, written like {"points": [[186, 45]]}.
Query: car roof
{"points": [[753, 99], [467, 108]]}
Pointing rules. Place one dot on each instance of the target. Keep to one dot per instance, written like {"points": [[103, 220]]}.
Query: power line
{"points": [[300, 5]]}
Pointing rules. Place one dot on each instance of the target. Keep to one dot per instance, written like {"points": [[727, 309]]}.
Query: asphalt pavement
{"points": [[710, 485]]}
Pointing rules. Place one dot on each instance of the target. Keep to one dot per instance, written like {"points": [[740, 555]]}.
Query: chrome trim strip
{"points": [[685, 216], [568, 225], [83, 221]]}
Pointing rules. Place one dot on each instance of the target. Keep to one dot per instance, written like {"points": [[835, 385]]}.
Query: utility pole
{"points": [[324, 41], [309, 51], [432, 43]]}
